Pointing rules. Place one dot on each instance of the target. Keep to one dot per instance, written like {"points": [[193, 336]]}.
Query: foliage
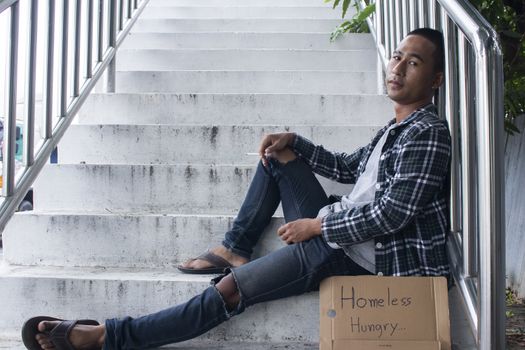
{"points": [[508, 19], [510, 299], [358, 22]]}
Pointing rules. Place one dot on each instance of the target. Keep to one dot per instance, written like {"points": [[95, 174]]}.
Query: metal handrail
{"points": [[473, 107], [73, 91]]}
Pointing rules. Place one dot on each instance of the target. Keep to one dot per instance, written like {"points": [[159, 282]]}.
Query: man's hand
{"points": [[274, 143], [300, 230]]}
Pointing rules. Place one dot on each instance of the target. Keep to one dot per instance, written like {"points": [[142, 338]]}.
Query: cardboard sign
{"points": [[371, 312]]}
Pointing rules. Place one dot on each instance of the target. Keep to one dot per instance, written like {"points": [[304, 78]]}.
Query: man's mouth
{"points": [[394, 83]]}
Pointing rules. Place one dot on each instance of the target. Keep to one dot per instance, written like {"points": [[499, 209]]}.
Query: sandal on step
{"points": [[218, 265], [59, 335]]}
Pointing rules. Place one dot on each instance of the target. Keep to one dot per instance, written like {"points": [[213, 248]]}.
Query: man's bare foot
{"points": [[82, 337], [223, 252]]}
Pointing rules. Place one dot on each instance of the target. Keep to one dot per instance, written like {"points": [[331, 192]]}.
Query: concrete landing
{"points": [[12, 344]]}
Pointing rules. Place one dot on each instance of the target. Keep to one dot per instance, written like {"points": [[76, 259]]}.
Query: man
{"points": [[393, 223]]}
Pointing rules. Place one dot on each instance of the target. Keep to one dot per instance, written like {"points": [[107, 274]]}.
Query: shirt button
{"points": [[382, 157], [378, 186], [379, 245], [392, 132], [380, 274]]}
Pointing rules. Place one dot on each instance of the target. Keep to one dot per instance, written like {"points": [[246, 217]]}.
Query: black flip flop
{"points": [[218, 265], [59, 335]]}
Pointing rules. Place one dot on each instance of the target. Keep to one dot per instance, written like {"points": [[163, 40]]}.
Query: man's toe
{"points": [[44, 342], [46, 326]]}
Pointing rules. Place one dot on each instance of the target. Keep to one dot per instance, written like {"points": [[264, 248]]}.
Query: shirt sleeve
{"points": [[340, 167], [420, 169]]}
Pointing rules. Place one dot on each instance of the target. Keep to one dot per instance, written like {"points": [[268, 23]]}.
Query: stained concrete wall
{"points": [[515, 207]]}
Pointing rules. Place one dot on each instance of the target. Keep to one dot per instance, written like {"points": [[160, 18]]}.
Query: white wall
{"points": [[515, 208]]}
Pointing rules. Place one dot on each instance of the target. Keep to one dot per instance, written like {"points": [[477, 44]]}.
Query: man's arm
{"points": [[340, 167], [420, 170]]}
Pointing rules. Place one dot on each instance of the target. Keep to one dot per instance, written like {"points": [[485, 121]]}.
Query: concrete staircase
{"points": [[154, 174]]}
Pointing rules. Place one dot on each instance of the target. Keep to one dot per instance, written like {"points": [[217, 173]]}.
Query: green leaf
{"points": [[339, 30], [336, 2], [367, 12], [346, 3]]}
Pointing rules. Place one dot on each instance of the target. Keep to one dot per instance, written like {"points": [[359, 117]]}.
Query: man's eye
{"points": [[395, 58], [413, 63]]}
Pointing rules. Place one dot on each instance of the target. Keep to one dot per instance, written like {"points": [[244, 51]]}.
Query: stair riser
{"points": [[284, 25], [247, 82], [320, 12], [221, 109], [306, 41], [149, 241], [88, 296], [148, 60], [188, 189], [163, 144]]}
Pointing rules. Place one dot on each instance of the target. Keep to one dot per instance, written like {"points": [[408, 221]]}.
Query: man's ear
{"points": [[438, 80]]}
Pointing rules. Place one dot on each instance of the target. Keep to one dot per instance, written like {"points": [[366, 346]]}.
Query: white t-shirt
{"points": [[363, 193]]}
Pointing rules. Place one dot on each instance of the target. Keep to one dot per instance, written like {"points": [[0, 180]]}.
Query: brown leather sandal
{"points": [[59, 335], [218, 265]]}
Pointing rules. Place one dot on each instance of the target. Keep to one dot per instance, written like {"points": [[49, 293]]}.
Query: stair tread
{"points": [[16, 344], [101, 273]]}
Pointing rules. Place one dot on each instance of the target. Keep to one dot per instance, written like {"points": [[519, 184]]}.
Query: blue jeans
{"points": [[301, 266]]}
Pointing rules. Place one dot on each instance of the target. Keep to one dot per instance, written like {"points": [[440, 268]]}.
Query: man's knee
{"points": [[229, 291], [284, 156]]}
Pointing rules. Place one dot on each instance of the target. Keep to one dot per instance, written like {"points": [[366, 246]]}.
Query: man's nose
{"points": [[399, 68]]}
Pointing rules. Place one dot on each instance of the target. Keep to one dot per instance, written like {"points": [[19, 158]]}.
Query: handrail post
{"points": [[89, 49], [64, 63], [380, 37], [450, 104], [49, 71], [491, 330], [76, 66], [9, 148], [111, 77], [29, 133], [467, 164], [100, 31]]}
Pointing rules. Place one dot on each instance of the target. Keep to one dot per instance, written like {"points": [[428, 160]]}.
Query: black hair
{"points": [[436, 38]]}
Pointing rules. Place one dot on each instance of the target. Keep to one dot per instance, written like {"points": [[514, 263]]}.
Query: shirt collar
{"points": [[428, 108]]}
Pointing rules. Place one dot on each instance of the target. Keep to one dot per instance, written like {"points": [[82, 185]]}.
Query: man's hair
{"points": [[436, 38]]}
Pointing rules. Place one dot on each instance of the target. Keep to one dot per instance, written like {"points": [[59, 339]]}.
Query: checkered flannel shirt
{"points": [[408, 219]]}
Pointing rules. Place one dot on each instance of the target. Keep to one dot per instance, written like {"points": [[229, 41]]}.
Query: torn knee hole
{"points": [[229, 292]]}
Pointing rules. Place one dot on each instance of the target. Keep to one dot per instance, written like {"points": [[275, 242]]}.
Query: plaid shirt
{"points": [[408, 219]]}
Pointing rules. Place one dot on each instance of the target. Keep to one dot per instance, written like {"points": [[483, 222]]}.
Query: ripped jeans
{"points": [[292, 270]]}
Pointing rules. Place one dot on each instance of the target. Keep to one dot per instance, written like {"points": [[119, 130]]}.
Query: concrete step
{"points": [[319, 12], [144, 241], [232, 40], [236, 3], [189, 189], [246, 59], [195, 25], [291, 82], [101, 293], [16, 344], [238, 109], [168, 144]]}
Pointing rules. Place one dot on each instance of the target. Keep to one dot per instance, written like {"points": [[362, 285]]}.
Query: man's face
{"points": [[410, 76]]}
